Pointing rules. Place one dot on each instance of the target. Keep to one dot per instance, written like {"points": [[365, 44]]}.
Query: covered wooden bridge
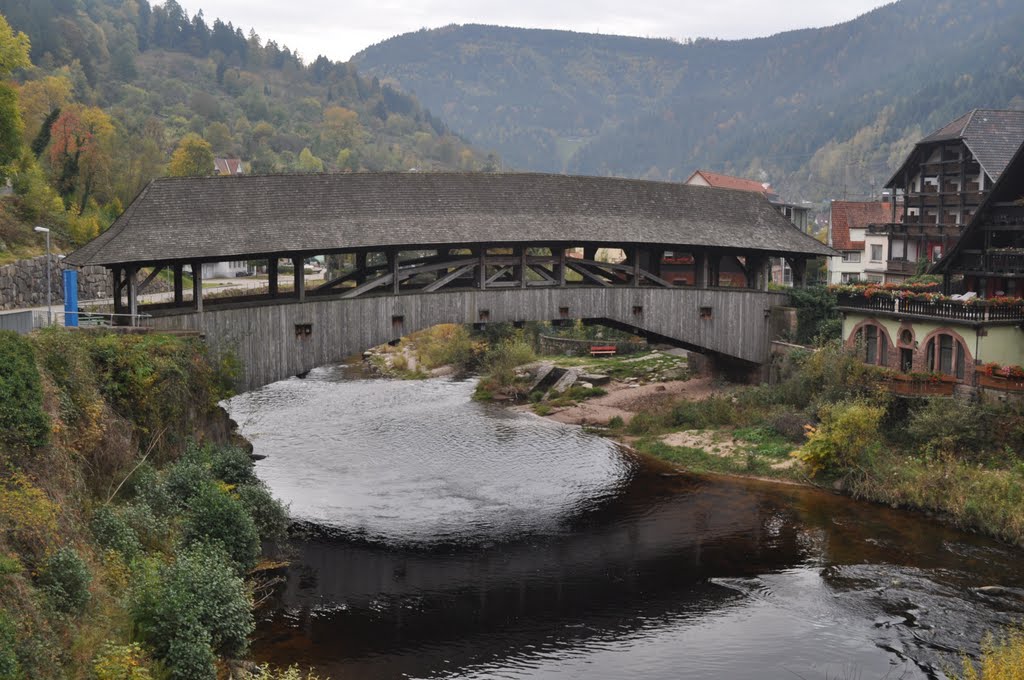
{"points": [[691, 264]]}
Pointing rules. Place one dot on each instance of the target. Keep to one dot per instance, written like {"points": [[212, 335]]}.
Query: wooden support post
{"points": [[947, 282], [272, 276], [115, 273], [393, 260], [700, 269], [133, 293], [481, 268], [636, 266], [360, 268], [300, 278], [561, 267], [799, 267], [589, 252], [522, 267], [197, 286], [179, 286]]}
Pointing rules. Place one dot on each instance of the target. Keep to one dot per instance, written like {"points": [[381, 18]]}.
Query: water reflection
{"points": [[451, 539]]}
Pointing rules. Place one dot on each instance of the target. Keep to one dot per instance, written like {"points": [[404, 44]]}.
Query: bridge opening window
{"points": [[485, 315], [705, 312], [397, 320], [563, 312], [638, 310], [678, 268], [303, 330]]}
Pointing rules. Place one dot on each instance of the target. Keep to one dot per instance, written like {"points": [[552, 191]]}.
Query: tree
{"points": [[192, 158], [38, 99], [13, 55], [14, 49], [81, 152], [309, 163]]}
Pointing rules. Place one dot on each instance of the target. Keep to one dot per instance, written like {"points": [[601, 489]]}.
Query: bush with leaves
{"points": [[945, 426], [113, 532], [65, 579], [22, 421], [121, 662], [9, 665], [193, 610], [270, 517], [215, 516], [846, 439]]}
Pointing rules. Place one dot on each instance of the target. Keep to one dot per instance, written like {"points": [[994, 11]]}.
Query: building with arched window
{"points": [[975, 318]]}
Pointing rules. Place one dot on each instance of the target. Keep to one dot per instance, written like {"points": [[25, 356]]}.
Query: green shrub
{"points": [[230, 464], [215, 517], [504, 357], [152, 530], [112, 532], [9, 666], [791, 425], [185, 480], [22, 421], [616, 423], [542, 409], [816, 314], [846, 439], [643, 423], [269, 515], [946, 426], [121, 662], [65, 579], [192, 610]]}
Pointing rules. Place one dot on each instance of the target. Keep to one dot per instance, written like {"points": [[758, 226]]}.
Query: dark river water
{"points": [[443, 538]]}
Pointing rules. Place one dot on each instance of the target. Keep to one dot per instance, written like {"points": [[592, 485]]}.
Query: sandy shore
{"points": [[626, 400]]}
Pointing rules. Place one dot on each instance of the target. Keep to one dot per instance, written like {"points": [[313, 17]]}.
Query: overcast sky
{"points": [[340, 28]]}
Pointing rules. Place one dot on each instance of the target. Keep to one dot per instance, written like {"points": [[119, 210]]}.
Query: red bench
{"points": [[602, 350]]}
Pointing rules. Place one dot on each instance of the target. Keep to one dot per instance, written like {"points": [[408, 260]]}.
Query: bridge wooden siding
{"points": [[281, 338]]}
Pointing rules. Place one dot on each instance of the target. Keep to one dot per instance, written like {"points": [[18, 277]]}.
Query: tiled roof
{"points": [[180, 219], [227, 166], [847, 215], [721, 181]]}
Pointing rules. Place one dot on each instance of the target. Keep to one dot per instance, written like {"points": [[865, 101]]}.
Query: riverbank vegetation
{"points": [[833, 421], [131, 523]]}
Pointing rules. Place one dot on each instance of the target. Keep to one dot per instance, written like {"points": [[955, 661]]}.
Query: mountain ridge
{"points": [[819, 112]]}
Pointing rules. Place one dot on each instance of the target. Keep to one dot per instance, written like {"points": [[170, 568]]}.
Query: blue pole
{"points": [[70, 298]]}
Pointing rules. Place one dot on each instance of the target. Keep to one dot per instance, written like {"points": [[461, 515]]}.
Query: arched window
{"points": [[946, 354], [872, 339]]}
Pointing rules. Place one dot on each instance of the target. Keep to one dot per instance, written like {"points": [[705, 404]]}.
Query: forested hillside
{"points": [[119, 92], [820, 112]]}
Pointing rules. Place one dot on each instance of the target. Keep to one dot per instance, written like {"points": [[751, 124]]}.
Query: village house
{"points": [[863, 256], [966, 332], [798, 214], [943, 182]]}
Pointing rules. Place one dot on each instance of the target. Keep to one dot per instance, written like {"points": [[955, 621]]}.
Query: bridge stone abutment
{"points": [[280, 339]]}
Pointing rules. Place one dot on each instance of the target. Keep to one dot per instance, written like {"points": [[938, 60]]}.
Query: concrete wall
{"points": [[282, 339]]}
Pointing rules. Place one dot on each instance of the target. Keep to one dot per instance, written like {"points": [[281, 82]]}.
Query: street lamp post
{"points": [[49, 308]]}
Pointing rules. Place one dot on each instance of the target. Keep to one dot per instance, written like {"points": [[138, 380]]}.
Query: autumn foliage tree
{"points": [[81, 141], [192, 158], [13, 55]]}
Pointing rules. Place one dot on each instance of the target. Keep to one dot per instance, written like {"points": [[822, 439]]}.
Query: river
{"points": [[444, 538]]}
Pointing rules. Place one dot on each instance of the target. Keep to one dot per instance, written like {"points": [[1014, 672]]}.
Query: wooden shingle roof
{"points": [[992, 135], [182, 219]]}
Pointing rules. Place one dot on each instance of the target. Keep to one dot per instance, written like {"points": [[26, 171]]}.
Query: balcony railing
{"points": [[994, 262], [942, 309], [901, 267]]}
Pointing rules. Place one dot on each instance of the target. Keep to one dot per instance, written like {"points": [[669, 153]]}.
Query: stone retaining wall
{"points": [[551, 345], [23, 283]]}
